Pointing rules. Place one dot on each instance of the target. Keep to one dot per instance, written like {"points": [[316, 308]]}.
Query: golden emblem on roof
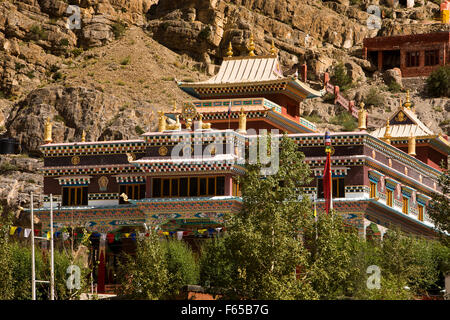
{"points": [[188, 113], [163, 151], [75, 160], [400, 117]]}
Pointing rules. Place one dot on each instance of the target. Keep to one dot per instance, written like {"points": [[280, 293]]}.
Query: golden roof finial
{"points": [[230, 50], [273, 50], [251, 46], [362, 114], [174, 109], [48, 131], [408, 102], [83, 136], [242, 122], [387, 133]]}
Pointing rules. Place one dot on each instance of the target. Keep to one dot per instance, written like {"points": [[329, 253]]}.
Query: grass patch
{"points": [[38, 32], [125, 61], [139, 130], [315, 118], [373, 98], [346, 120], [394, 87], [59, 118], [30, 74], [120, 83], [168, 79], [119, 29], [19, 66], [64, 42], [6, 167]]}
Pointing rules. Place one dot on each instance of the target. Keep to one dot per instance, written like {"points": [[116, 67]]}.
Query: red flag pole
{"points": [[327, 177]]}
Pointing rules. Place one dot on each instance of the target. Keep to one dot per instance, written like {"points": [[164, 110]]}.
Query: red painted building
{"points": [[416, 55]]}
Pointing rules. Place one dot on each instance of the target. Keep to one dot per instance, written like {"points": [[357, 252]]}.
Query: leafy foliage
{"points": [[340, 77], [373, 98], [439, 209], [262, 248], [346, 120], [438, 83], [118, 29], [145, 276], [6, 280], [181, 265]]}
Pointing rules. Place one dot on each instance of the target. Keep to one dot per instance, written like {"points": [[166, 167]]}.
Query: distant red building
{"points": [[416, 55]]}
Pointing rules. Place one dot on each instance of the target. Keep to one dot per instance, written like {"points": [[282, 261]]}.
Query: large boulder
{"points": [[393, 75]]}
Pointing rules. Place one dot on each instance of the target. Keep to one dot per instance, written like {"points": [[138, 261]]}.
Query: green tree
{"points": [[262, 247], [146, 275], [6, 280], [439, 209], [181, 265], [340, 77], [333, 267]]}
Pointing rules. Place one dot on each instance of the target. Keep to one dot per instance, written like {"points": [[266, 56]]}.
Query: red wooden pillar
{"points": [[351, 105], [336, 94], [380, 60], [304, 71], [228, 184], [101, 267], [365, 53], [326, 78], [148, 187]]}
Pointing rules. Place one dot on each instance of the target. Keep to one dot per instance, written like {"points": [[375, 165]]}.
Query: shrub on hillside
{"points": [[438, 83], [340, 77]]}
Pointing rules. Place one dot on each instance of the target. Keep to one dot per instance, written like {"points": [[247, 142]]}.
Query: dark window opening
{"points": [[431, 57], [412, 58], [338, 188], [192, 187], [133, 191], [75, 196]]}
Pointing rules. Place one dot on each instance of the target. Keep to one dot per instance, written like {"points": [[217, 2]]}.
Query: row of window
{"points": [[161, 187], [390, 200], [431, 58], [188, 187]]}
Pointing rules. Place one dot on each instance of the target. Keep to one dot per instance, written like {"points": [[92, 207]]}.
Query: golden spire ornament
{"points": [[273, 50], [48, 131], [251, 46], [161, 121], [242, 122], [387, 134], [408, 102], [230, 50], [362, 117], [83, 136], [174, 109]]}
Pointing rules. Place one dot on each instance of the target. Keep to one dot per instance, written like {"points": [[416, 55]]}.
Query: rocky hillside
{"points": [[110, 76]]}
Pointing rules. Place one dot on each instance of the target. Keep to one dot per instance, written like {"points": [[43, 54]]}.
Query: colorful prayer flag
{"points": [[12, 231]]}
